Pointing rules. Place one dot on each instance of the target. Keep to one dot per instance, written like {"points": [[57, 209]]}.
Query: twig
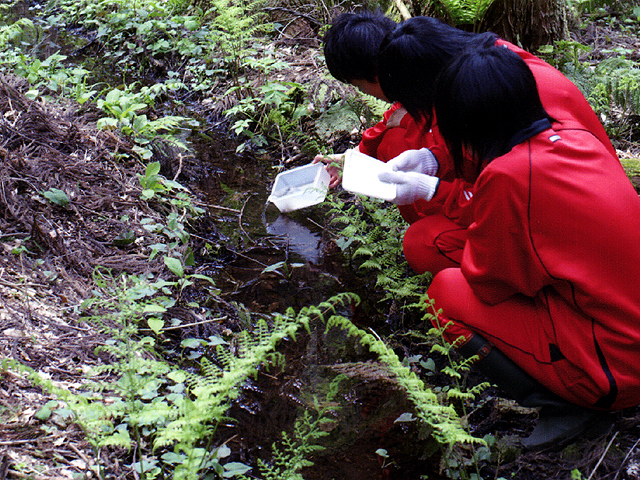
{"points": [[193, 324], [175, 177], [82, 456], [603, 455], [15, 442], [240, 218], [218, 207], [293, 12], [30, 476], [626, 457], [252, 259], [21, 284]]}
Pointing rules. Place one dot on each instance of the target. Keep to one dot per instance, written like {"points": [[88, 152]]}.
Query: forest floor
{"points": [[41, 291]]}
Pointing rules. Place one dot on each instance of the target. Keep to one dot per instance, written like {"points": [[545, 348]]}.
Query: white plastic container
{"points": [[300, 187], [360, 175]]}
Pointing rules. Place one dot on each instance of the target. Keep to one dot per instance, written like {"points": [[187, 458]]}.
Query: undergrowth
{"points": [[371, 232]]}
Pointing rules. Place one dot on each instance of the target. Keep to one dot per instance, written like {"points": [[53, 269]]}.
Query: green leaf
{"points": [[223, 452], [405, 417], [203, 277], [56, 196], [152, 169], [107, 122], [173, 458], [177, 376], [382, 453], [113, 96], [147, 194], [235, 468], [175, 265], [191, 343], [215, 340], [154, 308], [45, 412], [273, 268], [156, 324]]}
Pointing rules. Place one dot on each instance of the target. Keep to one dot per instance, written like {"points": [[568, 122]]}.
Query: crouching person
{"points": [[547, 291]]}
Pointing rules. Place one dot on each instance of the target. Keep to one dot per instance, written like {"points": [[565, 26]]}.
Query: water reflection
{"points": [[297, 237]]}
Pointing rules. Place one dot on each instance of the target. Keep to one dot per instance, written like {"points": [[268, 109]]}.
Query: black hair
{"points": [[352, 42], [483, 100], [412, 56]]}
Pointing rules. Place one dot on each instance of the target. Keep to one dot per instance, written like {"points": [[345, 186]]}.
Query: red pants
{"points": [[434, 243], [521, 327]]}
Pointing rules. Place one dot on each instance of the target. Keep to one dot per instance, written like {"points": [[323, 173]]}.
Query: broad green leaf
{"points": [[156, 324], [175, 265], [235, 468], [152, 169], [57, 196]]}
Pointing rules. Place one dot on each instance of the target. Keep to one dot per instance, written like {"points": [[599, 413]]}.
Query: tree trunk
{"points": [[528, 23]]}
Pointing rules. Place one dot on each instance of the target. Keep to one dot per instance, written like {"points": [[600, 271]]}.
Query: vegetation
{"points": [[160, 402]]}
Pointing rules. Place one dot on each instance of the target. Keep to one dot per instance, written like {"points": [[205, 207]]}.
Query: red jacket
{"points": [[557, 219], [561, 99], [385, 143]]}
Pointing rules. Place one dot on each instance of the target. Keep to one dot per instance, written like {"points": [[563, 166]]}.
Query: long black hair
{"points": [[412, 56], [352, 43], [484, 100]]}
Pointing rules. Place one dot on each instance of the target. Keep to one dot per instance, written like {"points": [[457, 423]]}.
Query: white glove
{"points": [[410, 186], [419, 161]]}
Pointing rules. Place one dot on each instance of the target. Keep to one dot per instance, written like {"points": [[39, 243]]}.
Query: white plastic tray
{"points": [[300, 187], [360, 175]]}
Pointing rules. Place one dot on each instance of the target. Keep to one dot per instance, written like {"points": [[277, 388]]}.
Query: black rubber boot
{"points": [[559, 421]]}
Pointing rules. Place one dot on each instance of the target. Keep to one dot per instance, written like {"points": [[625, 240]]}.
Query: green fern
{"points": [[372, 232], [443, 420], [295, 450], [459, 12], [621, 79], [21, 30], [216, 385], [612, 87]]}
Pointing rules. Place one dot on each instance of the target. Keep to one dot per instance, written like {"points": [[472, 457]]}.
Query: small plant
{"points": [[295, 449], [57, 197], [458, 461], [564, 54], [275, 113], [123, 107], [459, 12], [372, 234]]}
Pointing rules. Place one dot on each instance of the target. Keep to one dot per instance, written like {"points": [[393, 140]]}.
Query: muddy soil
{"points": [[49, 253]]}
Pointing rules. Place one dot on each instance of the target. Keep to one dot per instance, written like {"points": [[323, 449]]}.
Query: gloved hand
{"points": [[410, 186], [419, 161]]}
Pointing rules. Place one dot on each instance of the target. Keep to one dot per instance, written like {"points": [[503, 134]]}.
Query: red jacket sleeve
{"points": [[373, 136]]}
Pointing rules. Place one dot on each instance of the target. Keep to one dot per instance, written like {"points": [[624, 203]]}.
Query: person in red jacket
{"points": [[547, 290], [351, 47], [410, 59]]}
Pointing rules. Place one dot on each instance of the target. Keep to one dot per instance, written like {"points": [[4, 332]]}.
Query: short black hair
{"points": [[352, 43], [412, 56], [483, 99]]}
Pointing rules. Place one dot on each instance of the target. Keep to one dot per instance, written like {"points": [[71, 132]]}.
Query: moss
{"points": [[631, 166]]}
